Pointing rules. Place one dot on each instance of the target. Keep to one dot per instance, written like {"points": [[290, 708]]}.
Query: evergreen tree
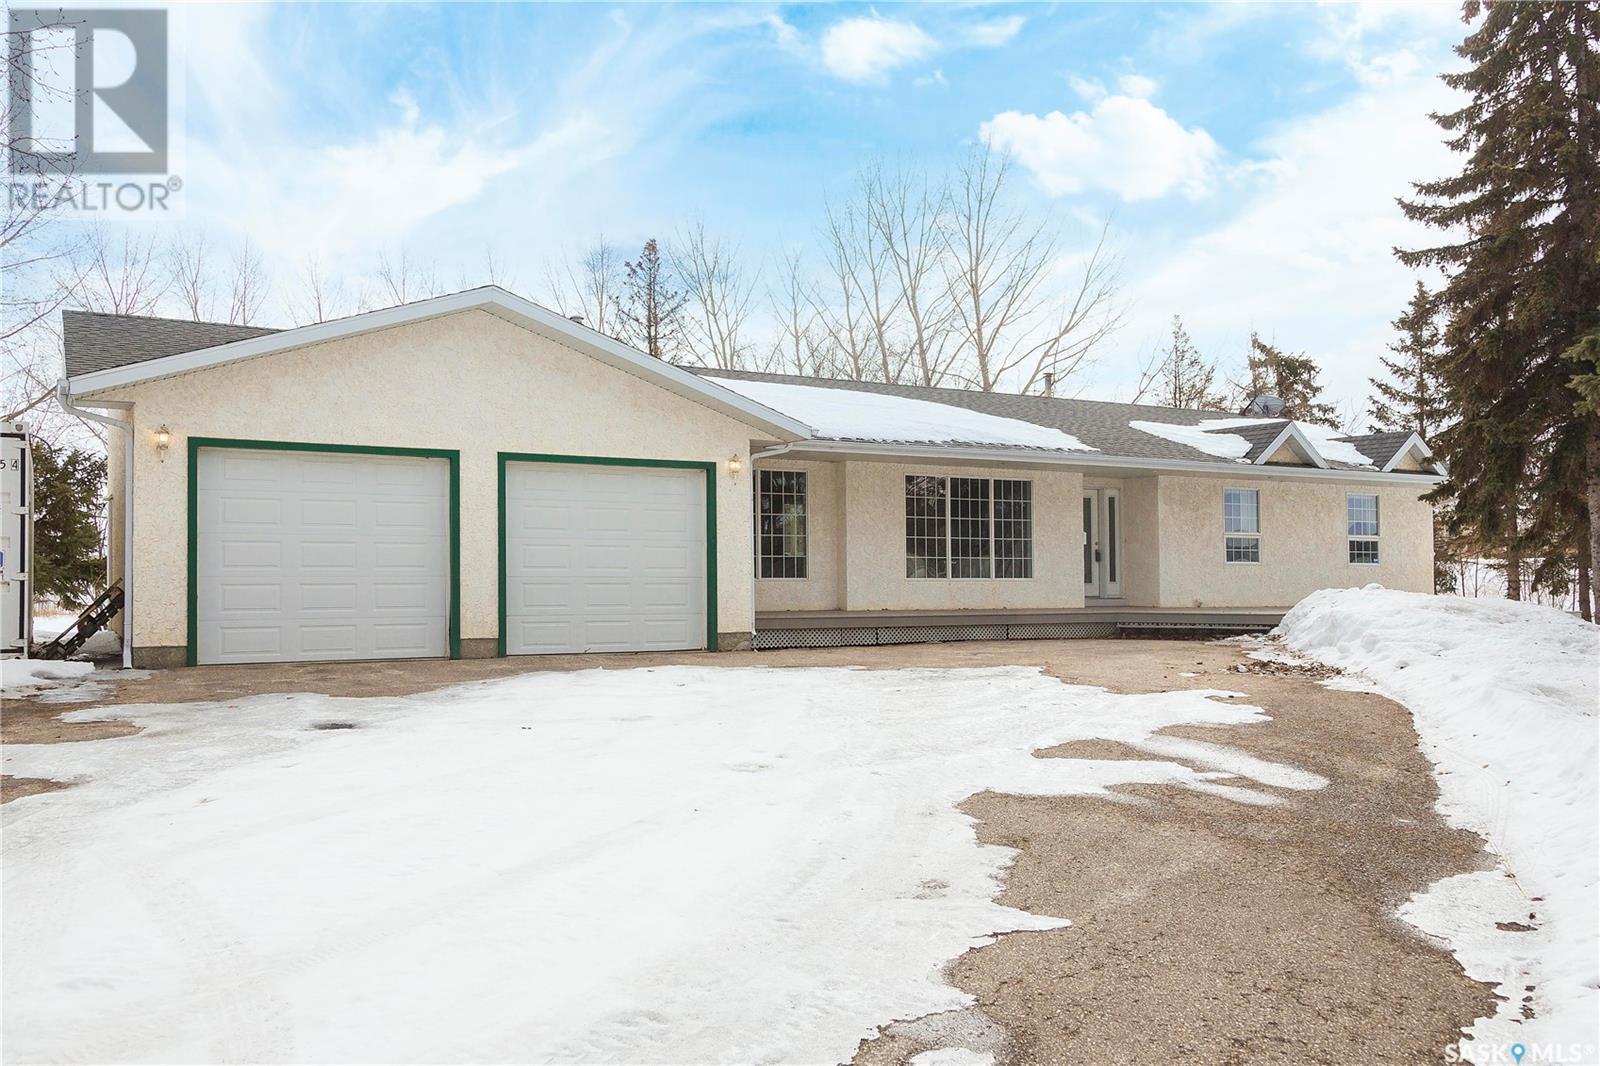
{"points": [[1522, 278], [1292, 378], [69, 565], [650, 309], [1185, 376], [1411, 398]]}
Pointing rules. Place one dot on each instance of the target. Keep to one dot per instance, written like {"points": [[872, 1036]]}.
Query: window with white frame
{"points": [[964, 527], [1241, 525], [781, 523], [1361, 526]]}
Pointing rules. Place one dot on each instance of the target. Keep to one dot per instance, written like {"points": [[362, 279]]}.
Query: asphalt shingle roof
{"points": [[94, 341]]}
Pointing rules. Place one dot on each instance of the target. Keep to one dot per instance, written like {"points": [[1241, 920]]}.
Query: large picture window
{"points": [[781, 523], [1361, 525], [964, 527], [1241, 525]]}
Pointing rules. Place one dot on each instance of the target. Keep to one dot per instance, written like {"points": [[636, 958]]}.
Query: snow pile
{"points": [[845, 414], [682, 864], [1207, 436], [1504, 697], [22, 677]]}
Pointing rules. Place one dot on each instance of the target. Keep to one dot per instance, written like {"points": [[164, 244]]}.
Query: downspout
{"points": [[64, 398], [755, 564]]}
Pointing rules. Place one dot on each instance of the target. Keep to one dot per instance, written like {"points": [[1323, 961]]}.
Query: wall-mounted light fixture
{"points": [[735, 464], [163, 441]]}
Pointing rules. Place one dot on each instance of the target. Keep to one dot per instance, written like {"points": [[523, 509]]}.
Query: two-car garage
{"points": [[306, 552]]}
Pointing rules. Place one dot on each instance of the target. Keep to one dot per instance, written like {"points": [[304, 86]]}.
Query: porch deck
{"points": [[812, 629]]}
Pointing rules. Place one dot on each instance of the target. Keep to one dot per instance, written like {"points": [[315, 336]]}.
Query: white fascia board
{"points": [[1414, 443], [1291, 432], [867, 450], [492, 299]]}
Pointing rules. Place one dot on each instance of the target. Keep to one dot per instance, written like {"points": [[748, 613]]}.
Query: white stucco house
{"points": [[476, 475]]}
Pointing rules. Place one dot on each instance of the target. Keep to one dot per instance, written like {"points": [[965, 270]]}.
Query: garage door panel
{"points": [[604, 558], [356, 547]]}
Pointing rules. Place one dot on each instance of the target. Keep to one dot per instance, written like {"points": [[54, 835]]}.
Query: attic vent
{"points": [[1264, 406], [576, 318]]}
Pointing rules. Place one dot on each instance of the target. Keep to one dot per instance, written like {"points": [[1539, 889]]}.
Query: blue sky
{"points": [[1247, 156]]}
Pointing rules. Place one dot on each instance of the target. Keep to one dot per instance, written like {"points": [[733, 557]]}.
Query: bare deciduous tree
{"points": [[798, 346], [189, 267], [858, 311], [318, 297], [115, 273], [906, 212], [1014, 316], [247, 286], [403, 279], [589, 288], [721, 298]]}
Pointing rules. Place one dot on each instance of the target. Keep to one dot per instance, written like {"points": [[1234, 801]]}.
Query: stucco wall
{"points": [[822, 587], [875, 553], [1141, 542], [1303, 542], [467, 381]]}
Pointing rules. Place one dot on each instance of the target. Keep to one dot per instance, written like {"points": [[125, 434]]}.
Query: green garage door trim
{"points": [[710, 471], [451, 456]]}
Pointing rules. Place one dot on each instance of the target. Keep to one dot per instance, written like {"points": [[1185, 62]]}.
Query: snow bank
{"points": [[682, 864], [20, 677], [1206, 436], [844, 414], [1504, 697]]}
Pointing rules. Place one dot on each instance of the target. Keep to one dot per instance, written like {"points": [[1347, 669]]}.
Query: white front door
{"points": [[320, 555], [604, 558], [1102, 543]]}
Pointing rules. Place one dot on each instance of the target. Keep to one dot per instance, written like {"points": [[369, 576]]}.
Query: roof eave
{"points": [[1290, 432], [495, 301], [827, 448]]}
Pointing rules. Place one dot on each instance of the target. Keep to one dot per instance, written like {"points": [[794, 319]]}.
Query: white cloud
{"points": [[1123, 144], [995, 32], [1309, 260], [1138, 85], [867, 49]]}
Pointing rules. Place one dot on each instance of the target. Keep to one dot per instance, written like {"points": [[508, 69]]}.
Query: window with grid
{"points": [[1013, 529], [1241, 525], [781, 523], [963, 527], [926, 527], [969, 527], [1361, 524]]}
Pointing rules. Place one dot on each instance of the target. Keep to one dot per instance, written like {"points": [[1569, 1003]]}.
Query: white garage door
{"points": [[604, 558], [321, 555]]}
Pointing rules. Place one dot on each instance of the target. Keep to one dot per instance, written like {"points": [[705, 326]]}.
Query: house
{"points": [[475, 475]]}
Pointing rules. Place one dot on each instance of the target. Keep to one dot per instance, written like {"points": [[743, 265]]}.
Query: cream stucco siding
{"points": [[1303, 542], [858, 522], [468, 381]]}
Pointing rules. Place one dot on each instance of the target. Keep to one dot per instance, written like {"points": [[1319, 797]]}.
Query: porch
{"points": [[832, 629]]}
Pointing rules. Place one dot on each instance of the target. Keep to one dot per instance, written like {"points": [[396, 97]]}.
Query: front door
{"points": [[1102, 543]]}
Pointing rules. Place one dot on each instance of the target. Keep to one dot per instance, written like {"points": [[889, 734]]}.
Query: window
{"points": [[1361, 524], [781, 523], [1013, 529], [1241, 525], [925, 526], [968, 527]]}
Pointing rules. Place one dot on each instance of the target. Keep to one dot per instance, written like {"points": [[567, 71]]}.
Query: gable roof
{"points": [[1101, 426], [112, 355]]}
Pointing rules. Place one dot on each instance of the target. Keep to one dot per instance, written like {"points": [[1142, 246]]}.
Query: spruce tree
{"points": [[1522, 278], [1292, 378], [650, 309], [1411, 398], [1185, 376], [69, 566]]}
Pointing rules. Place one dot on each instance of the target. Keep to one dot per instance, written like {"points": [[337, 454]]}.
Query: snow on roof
{"points": [[1209, 436], [845, 415]]}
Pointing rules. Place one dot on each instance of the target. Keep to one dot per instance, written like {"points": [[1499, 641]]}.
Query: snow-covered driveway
{"points": [[669, 864]]}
